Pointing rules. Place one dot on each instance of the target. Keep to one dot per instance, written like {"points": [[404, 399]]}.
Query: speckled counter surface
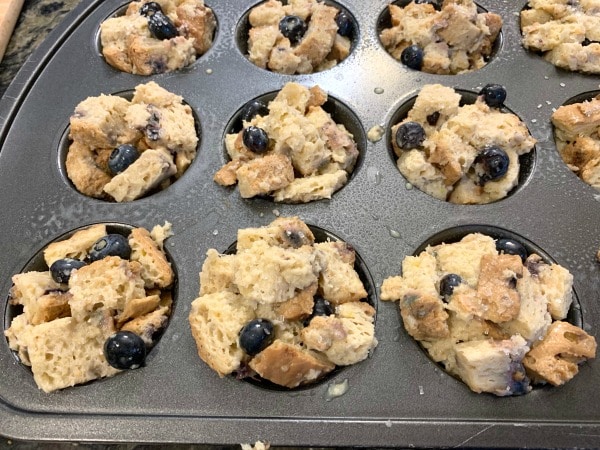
{"points": [[37, 19]]}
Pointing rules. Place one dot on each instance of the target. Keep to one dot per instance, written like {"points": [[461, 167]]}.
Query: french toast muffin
{"points": [[577, 137], [291, 150], [441, 37], [283, 307], [158, 36], [298, 36], [122, 150], [491, 314], [465, 154], [96, 310], [567, 33]]}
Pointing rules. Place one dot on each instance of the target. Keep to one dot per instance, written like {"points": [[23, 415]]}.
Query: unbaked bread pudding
{"points": [[123, 149], [157, 36], [290, 149], [96, 310], [282, 308], [461, 153], [491, 314]]}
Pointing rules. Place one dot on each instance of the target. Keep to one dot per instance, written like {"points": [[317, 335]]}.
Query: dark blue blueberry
{"points": [[344, 23], [122, 157], [256, 335], [161, 26], [511, 247], [150, 8], [110, 245], [437, 4], [125, 350], [447, 285], [61, 269], [253, 109], [493, 95], [433, 118], [296, 238], [255, 139], [410, 135], [293, 28], [322, 307], [490, 164], [412, 56]]}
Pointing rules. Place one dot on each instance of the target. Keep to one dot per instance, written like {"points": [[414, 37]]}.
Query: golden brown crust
{"points": [[555, 359], [424, 317], [497, 287], [288, 365], [299, 306]]}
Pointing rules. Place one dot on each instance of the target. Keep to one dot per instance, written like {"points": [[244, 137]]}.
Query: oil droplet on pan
{"points": [[374, 175]]}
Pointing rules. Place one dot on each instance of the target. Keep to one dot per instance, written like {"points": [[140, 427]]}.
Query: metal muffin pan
{"points": [[398, 397]]}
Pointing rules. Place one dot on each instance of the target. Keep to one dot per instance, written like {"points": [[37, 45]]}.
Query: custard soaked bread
{"points": [[577, 137], [566, 32], [291, 150], [299, 36], [282, 307], [158, 36], [466, 154], [446, 37], [98, 285], [122, 150], [490, 316]]}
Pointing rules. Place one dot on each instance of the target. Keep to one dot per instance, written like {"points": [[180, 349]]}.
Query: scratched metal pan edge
{"points": [[398, 397]]}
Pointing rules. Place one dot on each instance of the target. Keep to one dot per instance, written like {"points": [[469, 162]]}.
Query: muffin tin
{"points": [[398, 397]]}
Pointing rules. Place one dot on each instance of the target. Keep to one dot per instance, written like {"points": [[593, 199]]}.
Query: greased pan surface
{"points": [[398, 397]]}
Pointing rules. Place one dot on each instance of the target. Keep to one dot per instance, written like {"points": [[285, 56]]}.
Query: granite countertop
{"points": [[37, 19]]}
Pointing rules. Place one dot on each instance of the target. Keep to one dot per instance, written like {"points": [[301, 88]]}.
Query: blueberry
{"points": [[490, 164], [344, 23], [122, 157], [432, 119], [296, 238], [125, 350], [322, 307], [252, 109], [256, 335], [447, 285], [61, 269], [493, 95], [293, 28], [410, 135], [161, 26], [255, 139], [110, 245], [511, 247], [412, 56], [435, 3], [150, 8]]}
